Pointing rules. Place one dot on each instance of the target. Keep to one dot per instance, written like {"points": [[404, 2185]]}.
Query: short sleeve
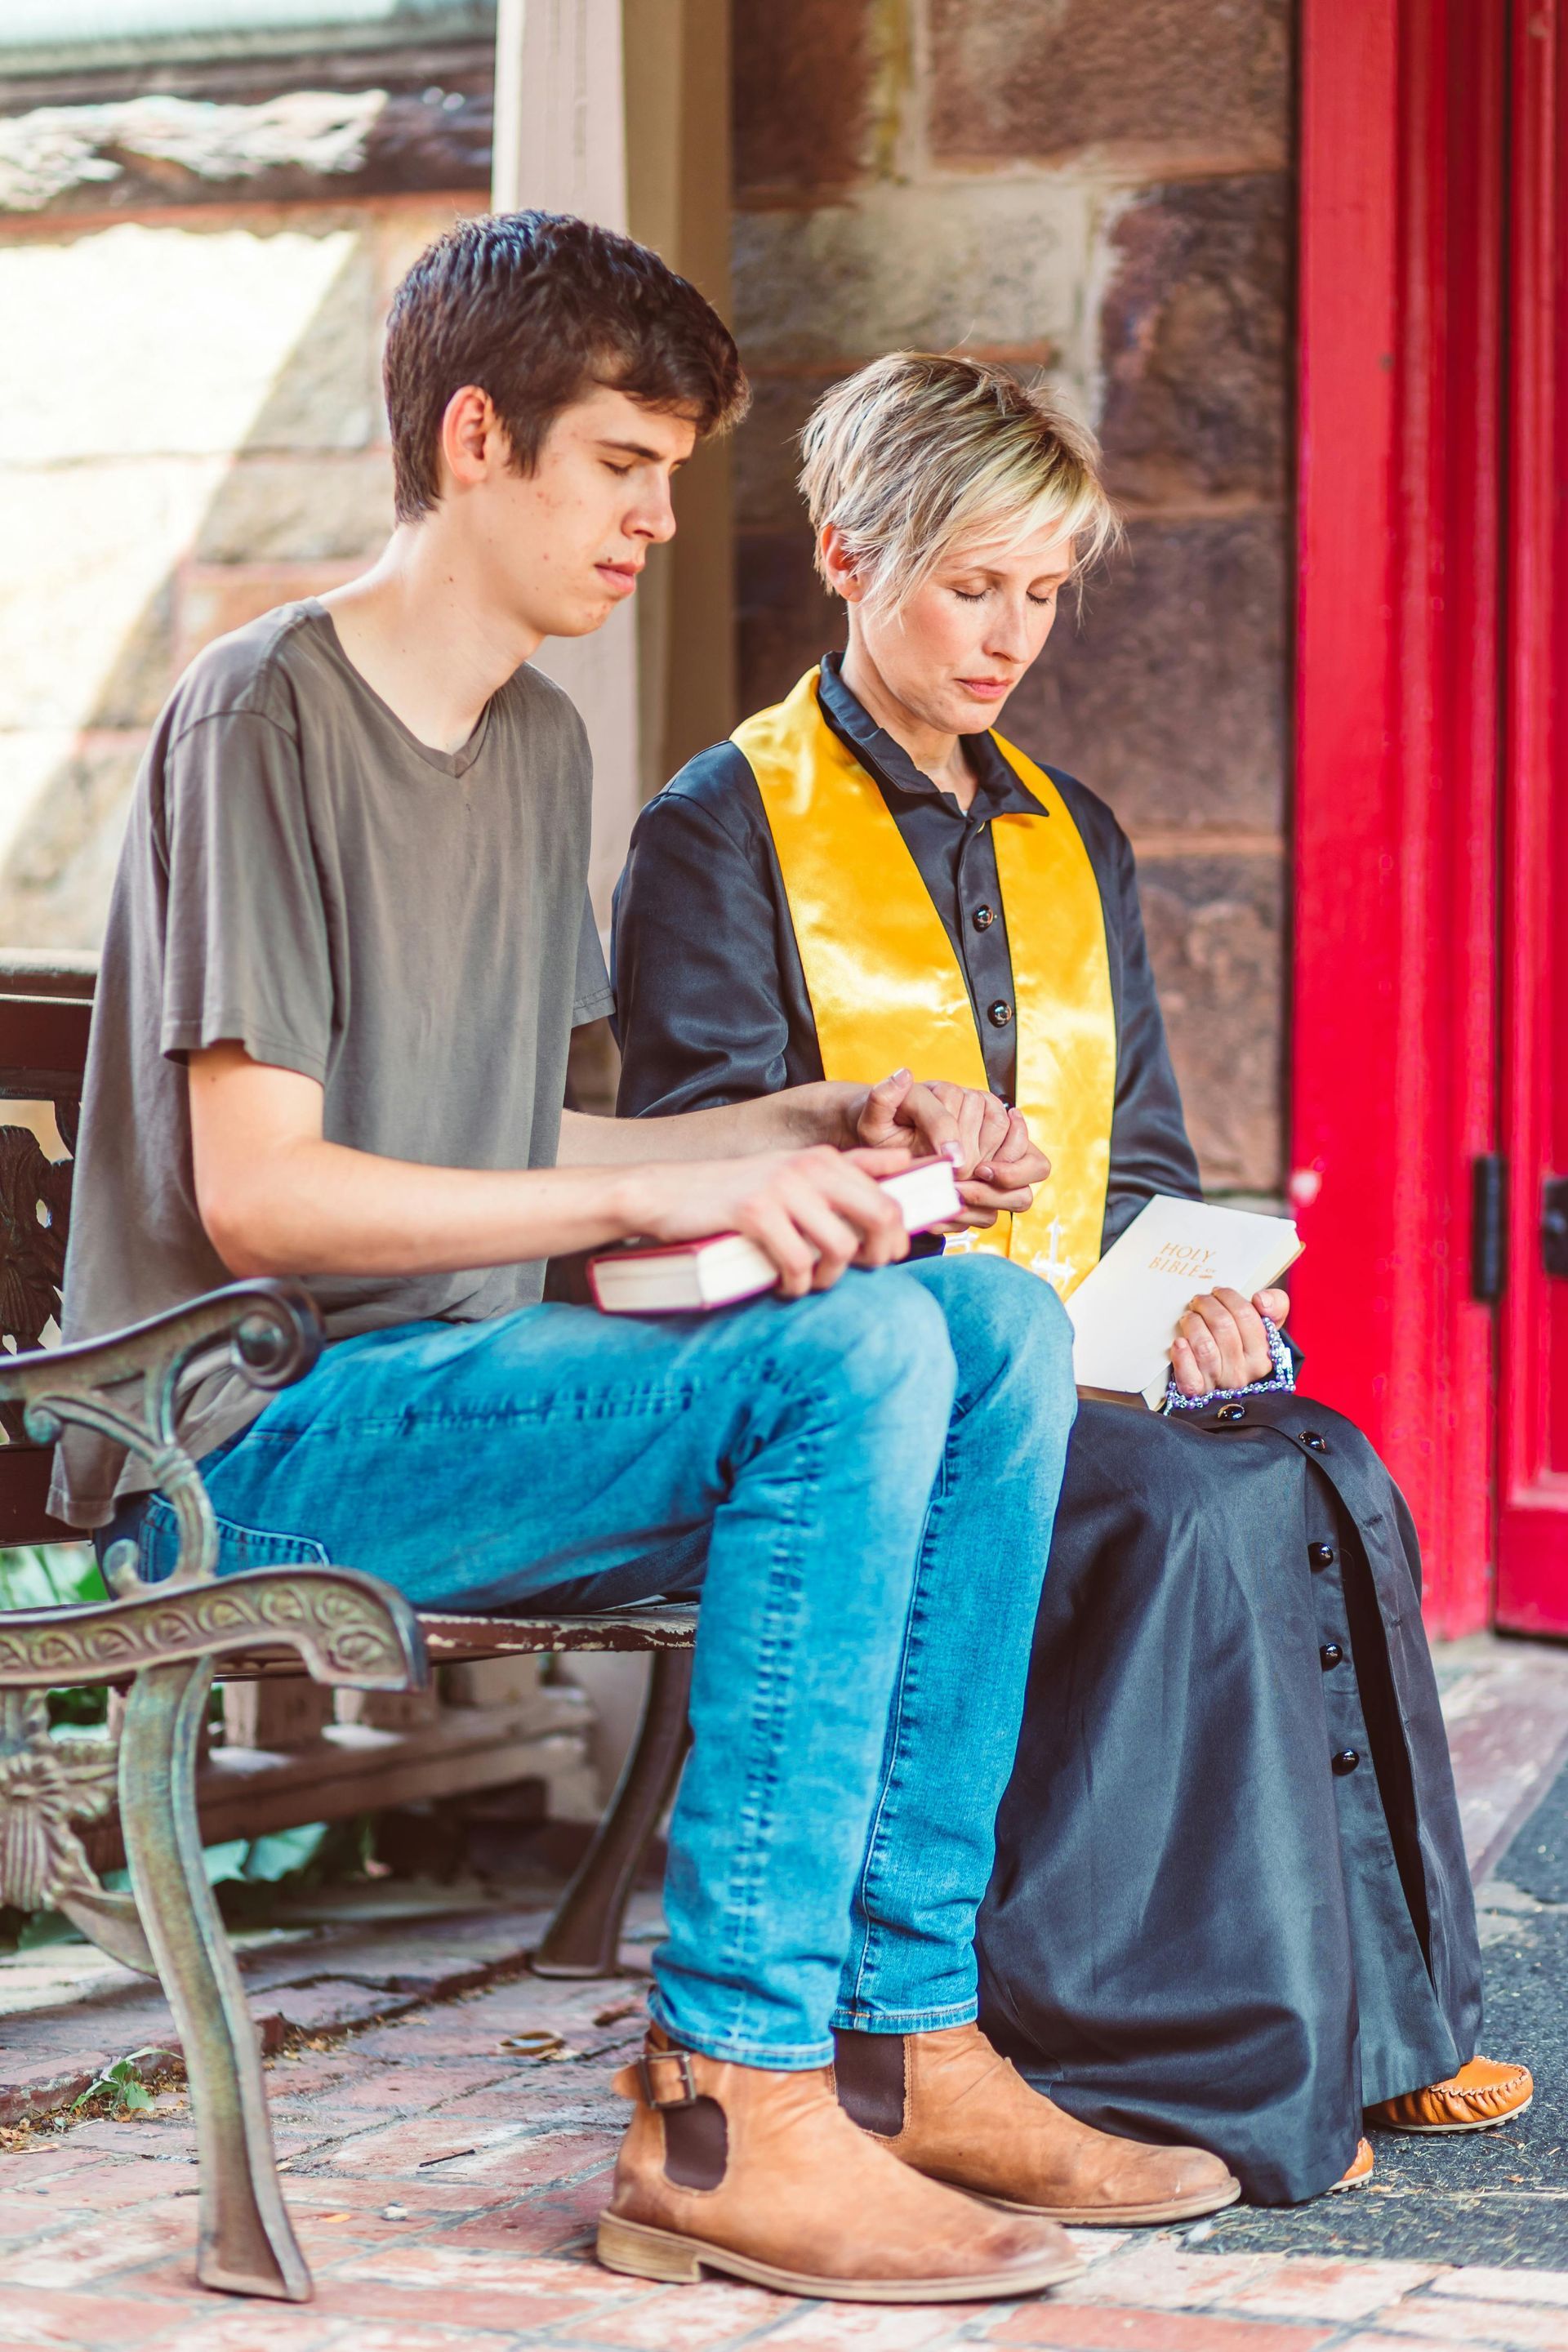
{"points": [[246, 951], [592, 997]]}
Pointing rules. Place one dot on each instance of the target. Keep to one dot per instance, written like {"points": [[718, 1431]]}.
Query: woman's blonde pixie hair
{"points": [[923, 451]]}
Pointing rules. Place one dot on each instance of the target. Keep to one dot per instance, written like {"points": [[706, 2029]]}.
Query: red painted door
{"points": [[1395, 1022], [1532, 1460]]}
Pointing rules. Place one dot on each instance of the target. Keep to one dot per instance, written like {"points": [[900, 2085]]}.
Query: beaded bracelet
{"points": [[1283, 1376]]}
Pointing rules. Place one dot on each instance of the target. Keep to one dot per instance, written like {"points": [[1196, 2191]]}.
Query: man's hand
{"points": [[930, 1119], [997, 1164], [1220, 1342], [812, 1212]]}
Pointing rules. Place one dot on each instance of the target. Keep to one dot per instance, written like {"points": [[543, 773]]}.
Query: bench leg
{"points": [[247, 2244], [584, 1938]]}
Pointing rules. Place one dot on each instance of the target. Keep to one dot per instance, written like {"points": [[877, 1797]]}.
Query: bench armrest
{"points": [[128, 1386]]}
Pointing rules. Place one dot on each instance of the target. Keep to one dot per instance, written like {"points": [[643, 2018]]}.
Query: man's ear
{"points": [[838, 566], [471, 436]]}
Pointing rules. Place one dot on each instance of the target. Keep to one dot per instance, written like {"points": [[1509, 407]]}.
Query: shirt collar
{"points": [[999, 790]]}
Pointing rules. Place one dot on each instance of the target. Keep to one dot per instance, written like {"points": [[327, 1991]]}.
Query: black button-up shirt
{"points": [[711, 995]]}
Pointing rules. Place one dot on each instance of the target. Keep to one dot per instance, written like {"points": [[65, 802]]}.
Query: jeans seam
{"points": [[777, 1646], [335, 1427], [914, 1625], [161, 1521], [919, 2020], [793, 2057]]}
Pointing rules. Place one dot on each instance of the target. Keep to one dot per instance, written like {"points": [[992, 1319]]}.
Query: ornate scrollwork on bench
{"points": [[45, 1785], [35, 1220], [130, 1388], [346, 1628]]}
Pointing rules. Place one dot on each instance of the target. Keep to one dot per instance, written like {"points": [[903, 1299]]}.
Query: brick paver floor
{"points": [[444, 2176], [445, 2185]]}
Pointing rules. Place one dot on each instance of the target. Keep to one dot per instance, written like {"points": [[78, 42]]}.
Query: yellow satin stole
{"points": [[886, 987]]}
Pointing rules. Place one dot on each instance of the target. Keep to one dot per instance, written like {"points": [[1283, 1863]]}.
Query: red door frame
{"points": [[1532, 1518], [1394, 1015]]}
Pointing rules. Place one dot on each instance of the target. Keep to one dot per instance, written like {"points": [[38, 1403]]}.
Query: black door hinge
{"points": [[1489, 1226], [1554, 1225]]}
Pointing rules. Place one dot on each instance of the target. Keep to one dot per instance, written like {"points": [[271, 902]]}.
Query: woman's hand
{"points": [[1221, 1343], [1005, 1179], [996, 1163], [930, 1118]]}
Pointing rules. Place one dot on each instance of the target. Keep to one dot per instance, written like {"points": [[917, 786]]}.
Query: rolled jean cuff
{"points": [[787, 2058], [865, 2020]]}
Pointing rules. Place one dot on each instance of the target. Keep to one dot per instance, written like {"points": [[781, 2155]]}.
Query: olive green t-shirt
{"points": [[408, 927]]}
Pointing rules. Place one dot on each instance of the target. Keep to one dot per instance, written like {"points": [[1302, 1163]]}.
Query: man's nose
{"points": [[654, 519]]}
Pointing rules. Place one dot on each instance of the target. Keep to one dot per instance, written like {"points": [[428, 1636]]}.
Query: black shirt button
{"points": [[1329, 1656], [1345, 1760], [1232, 1413], [1000, 1013], [1321, 1555], [1313, 1443], [983, 918]]}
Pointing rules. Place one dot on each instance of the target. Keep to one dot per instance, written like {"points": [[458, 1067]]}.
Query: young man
{"points": [[347, 945]]}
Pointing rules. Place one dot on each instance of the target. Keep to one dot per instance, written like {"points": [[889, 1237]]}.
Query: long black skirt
{"points": [[1230, 1904]]}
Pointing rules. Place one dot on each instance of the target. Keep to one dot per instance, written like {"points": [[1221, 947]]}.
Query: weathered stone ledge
{"points": [[135, 153]]}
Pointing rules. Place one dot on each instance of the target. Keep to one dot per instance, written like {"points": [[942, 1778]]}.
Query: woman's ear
{"points": [[837, 564]]}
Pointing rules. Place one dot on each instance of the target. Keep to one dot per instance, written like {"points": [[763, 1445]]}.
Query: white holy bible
{"points": [[1125, 1312]]}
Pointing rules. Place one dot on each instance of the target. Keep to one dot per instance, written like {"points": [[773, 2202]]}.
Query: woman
{"points": [[1230, 1902]]}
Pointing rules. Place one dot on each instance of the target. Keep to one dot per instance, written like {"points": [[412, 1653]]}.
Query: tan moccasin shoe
{"points": [[1359, 2170], [1480, 2096]]}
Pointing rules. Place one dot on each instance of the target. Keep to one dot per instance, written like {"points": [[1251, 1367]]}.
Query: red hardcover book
{"points": [[692, 1277]]}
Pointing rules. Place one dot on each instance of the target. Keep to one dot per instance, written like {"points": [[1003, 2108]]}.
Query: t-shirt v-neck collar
{"points": [[447, 763]]}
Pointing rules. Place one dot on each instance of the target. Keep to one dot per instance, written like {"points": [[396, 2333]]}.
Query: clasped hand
{"points": [[996, 1163], [815, 1211]]}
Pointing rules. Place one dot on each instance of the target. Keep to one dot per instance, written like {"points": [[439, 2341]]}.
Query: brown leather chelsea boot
{"points": [[949, 2106], [762, 2175]]}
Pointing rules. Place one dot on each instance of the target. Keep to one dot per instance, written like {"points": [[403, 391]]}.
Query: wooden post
{"points": [[657, 682], [560, 145]]}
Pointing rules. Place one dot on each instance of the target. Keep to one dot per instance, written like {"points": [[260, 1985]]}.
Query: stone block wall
{"points": [[1100, 189], [191, 431], [195, 264]]}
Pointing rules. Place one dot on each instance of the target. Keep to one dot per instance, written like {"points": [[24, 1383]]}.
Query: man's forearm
{"points": [[316, 1207], [277, 1197], [825, 1112]]}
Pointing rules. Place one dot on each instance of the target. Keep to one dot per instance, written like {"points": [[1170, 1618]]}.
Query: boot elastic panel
{"points": [[869, 2074]]}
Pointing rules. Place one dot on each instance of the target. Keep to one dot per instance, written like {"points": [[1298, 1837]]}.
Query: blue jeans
{"points": [[862, 1485]]}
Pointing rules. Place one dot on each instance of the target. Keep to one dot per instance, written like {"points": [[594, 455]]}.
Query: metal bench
{"points": [[165, 1644]]}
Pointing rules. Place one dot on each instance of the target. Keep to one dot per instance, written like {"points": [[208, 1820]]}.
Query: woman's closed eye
{"points": [[976, 595]]}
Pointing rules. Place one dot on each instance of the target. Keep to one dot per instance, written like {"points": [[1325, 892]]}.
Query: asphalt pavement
{"points": [[1495, 2196]]}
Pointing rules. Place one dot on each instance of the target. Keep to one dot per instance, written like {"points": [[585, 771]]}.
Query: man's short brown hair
{"points": [[534, 308]]}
